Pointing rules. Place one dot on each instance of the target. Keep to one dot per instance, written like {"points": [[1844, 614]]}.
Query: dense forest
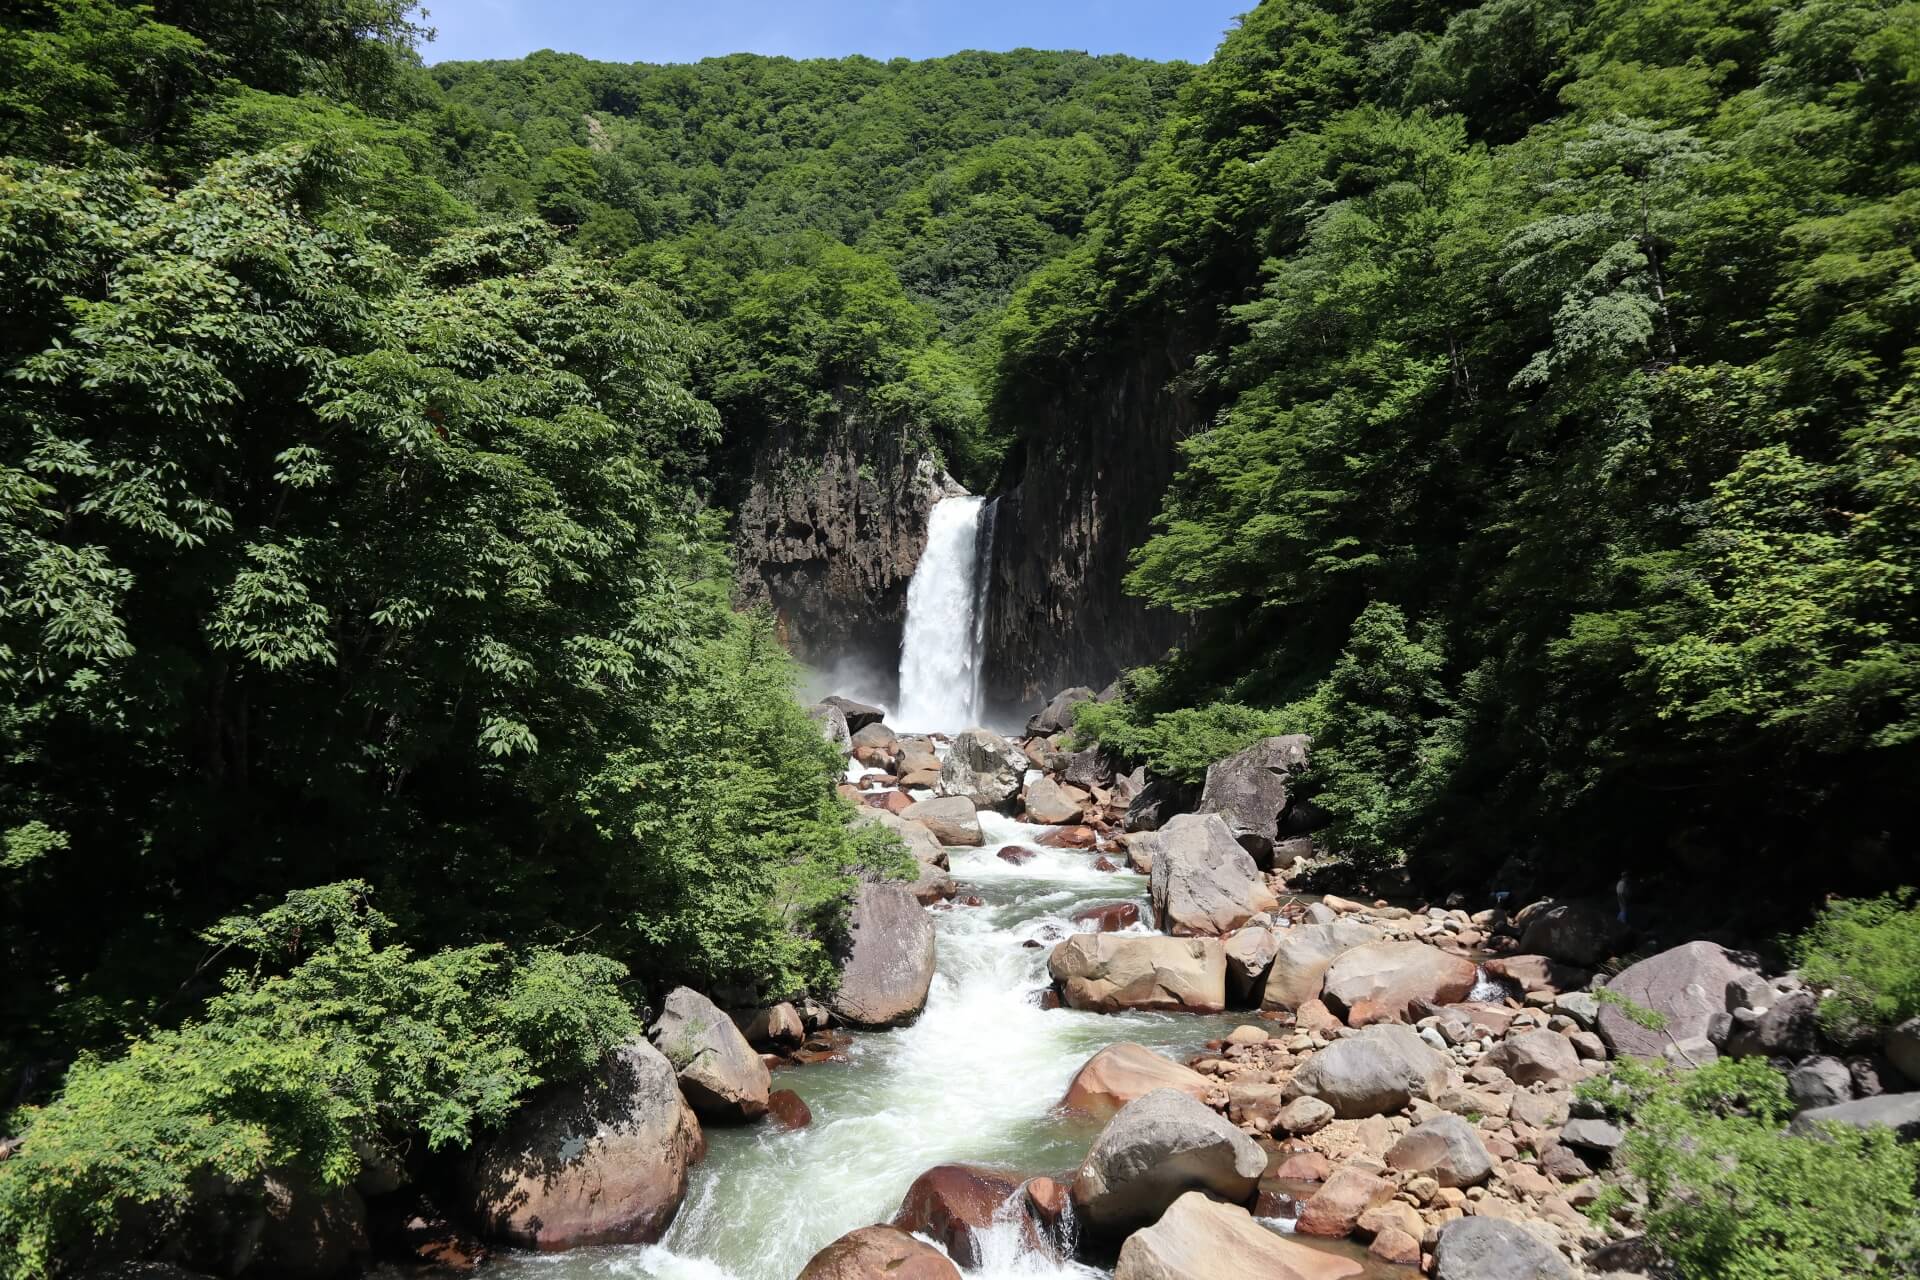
{"points": [[379, 734]]}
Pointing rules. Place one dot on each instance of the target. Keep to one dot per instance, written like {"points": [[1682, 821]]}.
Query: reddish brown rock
{"points": [[1070, 838], [1104, 864], [879, 1253], [1315, 1016], [951, 1203], [1538, 973], [1108, 917], [1120, 1073], [786, 1110], [1303, 1166], [1396, 1246], [1382, 982], [1016, 855], [1335, 1209], [1048, 1201]]}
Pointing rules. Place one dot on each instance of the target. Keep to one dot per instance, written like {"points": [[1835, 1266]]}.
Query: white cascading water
{"points": [[940, 646]]}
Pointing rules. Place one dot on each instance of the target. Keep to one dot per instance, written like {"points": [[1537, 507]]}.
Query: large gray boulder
{"points": [[720, 1074], [1155, 1150], [985, 768], [1788, 1028], [1058, 715], [1198, 1238], [1384, 981], [1050, 803], [1581, 933], [953, 820], [597, 1161], [1107, 972], [1379, 1070], [1249, 790], [858, 715], [887, 966], [1447, 1149], [1203, 883], [1303, 954], [1157, 802], [833, 726], [1494, 1249], [1686, 985], [1899, 1112], [933, 883]]}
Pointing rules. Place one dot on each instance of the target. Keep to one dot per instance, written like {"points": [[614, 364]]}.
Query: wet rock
{"points": [[833, 726], [1302, 956], [1536, 1057], [1686, 985], [951, 1204], [1249, 790], [1898, 1111], [1820, 1082], [1482, 1248], [1203, 882], [1580, 933], [1049, 802], [787, 1110], [1155, 1150], [1250, 953], [951, 819], [1381, 982], [1336, 1208], [416, 1234], [721, 1076], [1069, 838], [983, 767], [879, 1253], [1447, 1149], [1058, 715], [1201, 1239], [599, 1161], [858, 715], [887, 965], [1376, 1071], [1105, 972], [1016, 855], [1122, 1073], [1108, 917], [1158, 802]]}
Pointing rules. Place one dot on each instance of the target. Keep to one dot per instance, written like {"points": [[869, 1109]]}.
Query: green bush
{"points": [[1730, 1196], [326, 1045], [1867, 950], [1179, 743]]}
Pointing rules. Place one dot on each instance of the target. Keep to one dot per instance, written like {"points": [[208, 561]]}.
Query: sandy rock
{"points": [[1122, 1073], [1446, 1149], [887, 968], [1302, 956], [722, 1077], [1104, 972], [1536, 1057], [1249, 790], [599, 1161], [1376, 1071], [1381, 982], [1250, 953], [951, 819], [1336, 1208], [1686, 984], [1049, 802], [879, 1253], [985, 768], [1155, 1150], [1202, 1239], [1203, 883]]}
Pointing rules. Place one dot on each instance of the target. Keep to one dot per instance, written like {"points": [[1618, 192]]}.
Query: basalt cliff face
{"points": [[827, 534], [1097, 453]]}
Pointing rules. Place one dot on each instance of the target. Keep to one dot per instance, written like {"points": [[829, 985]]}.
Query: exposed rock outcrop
{"points": [[1203, 882], [887, 969], [1686, 985]]}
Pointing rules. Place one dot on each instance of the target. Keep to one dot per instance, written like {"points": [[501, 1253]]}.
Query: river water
{"points": [[975, 1079]]}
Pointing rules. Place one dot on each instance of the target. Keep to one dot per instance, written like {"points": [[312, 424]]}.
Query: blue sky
{"points": [[685, 30]]}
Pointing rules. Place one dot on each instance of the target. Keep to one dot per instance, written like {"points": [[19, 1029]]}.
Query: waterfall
{"points": [[940, 676]]}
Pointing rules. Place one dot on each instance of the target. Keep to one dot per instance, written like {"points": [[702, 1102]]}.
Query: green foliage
{"points": [[1728, 1194], [1867, 952], [325, 1044], [1635, 1012]]}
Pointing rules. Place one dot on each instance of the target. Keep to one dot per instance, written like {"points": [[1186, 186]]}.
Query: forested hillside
{"points": [[1558, 369]]}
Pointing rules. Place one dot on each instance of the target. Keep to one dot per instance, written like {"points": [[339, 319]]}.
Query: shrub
{"points": [[1730, 1196], [1180, 743], [1867, 950]]}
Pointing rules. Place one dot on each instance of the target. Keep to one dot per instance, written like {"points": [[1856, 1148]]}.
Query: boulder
{"points": [[1337, 1207], [1820, 1081], [1536, 1057], [1199, 1238], [833, 727], [1250, 954], [1057, 716], [879, 1253], [1302, 956], [1686, 985], [301, 1230], [1899, 1112], [919, 838], [1304, 1115], [875, 737], [887, 961], [952, 820], [1049, 802], [788, 1110], [1140, 847], [597, 1161], [1788, 1028], [1445, 1148], [1581, 933], [720, 1074], [951, 1204], [1249, 791], [1203, 883], [1902, 1049], [1108, 917], [1156, 803], [1154, 1151], [1590, 1134], [1379, 1070], [1104, 972], [1121, 1073], [1087, 769], [919, 764], [983, 767], [1481, 1248], [1537, 973], [858, 715], [1382, 981]]}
